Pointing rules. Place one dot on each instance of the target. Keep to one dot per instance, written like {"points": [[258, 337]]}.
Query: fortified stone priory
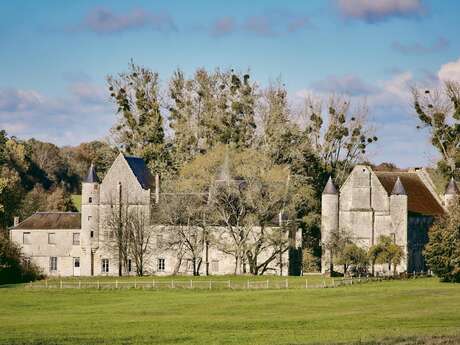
{"points": [[401, 205], [369, 204], [74, 244]]}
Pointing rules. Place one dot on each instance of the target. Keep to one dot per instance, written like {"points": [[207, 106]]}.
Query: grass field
{"points": [[389, 312]]}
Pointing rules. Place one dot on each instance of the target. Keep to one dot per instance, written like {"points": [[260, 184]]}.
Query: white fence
{"points": [[200, 284]]}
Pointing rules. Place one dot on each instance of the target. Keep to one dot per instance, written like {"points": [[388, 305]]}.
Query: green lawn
{"points": [[368, 312], [76, 200]]}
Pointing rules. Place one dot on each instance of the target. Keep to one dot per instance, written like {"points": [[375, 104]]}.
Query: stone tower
{"points": [[89, 220], [398, 214], [329, 218], [451, 194]]}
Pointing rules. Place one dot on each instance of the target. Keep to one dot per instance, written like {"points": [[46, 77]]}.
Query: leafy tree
{"points": [[439, 112], [13, 267], [352, 255], [386, 251], [334, 247], [140, 129], [442, 252]]}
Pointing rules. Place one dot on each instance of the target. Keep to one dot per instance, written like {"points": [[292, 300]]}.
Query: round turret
{"points": [[329, 215], [451, 194]]}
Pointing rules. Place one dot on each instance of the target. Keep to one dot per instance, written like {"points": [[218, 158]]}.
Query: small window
{"points": [[90, 200], [26, 238], [76, 262], [51, 238], [76, 239], [215, 266], [53, 263], [105, 265], [130, 265], [91, 234], [89, 218], [161, 265], [95, 187]]}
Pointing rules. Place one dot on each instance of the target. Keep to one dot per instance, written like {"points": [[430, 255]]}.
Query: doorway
{"points": [[76, 267]]}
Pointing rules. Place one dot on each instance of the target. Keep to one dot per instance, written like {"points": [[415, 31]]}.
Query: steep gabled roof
{"points": [[140, 170], [419, 198], [51, 221]]}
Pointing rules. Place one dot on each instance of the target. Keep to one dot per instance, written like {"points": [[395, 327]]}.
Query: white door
{"points": [[76, 267]]}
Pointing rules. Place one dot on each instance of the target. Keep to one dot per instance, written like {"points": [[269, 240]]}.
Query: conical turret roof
{"points": [[398, 188], [330, 188], [92, 176], [452, 188]]}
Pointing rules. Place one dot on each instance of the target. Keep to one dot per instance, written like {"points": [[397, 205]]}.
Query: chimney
{"points": [[15, 221], [157, 189]]}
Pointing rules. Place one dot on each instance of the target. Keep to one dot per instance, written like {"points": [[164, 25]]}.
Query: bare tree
{"points": [[184, 219], [140, 237]]}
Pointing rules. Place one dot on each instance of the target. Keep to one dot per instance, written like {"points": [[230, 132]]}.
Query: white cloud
{"points": [[450, 71]]}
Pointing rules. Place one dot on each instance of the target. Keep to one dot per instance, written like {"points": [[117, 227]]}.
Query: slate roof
{"points": [[92, 176], [420, 200], [398, 189], [51, 221], [330, 188], [452, 188], [140, 170]]}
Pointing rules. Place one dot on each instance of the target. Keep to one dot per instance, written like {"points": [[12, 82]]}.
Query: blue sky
{"points": [[55, 56]]}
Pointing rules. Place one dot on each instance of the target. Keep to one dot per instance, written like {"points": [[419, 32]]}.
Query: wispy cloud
{"points": [[104, 21], [350, 85], [84, 113], [450, 71], [418, 48], [269, 24], [373, 11]]}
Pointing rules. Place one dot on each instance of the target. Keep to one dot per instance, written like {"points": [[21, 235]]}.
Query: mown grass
{"points": [[389, 312]]}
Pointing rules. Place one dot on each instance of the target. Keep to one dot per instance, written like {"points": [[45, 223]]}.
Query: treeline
{"points": [[39, 176]]}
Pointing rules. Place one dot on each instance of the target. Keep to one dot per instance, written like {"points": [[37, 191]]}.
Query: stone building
{"points": [[370, 203], [74, 244]]}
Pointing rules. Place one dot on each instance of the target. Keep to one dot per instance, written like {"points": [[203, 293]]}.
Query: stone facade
{"points": [[370, 203], [80, 247]]}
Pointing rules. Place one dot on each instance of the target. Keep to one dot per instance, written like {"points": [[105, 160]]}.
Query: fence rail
{"points": [[212, 284]]}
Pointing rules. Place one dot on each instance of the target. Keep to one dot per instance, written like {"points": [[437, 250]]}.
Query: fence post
{"points": [[287, 284], [191, 284], [229, 284], [210, 284], [333, 282], [153, 283], [116, 284], [135, 284], [324, 283], [248, 284], [267, 283], [79, 284], [414, 274], [172, 284], [306, 283], [61, 284], [98, 285], [46, 283]]}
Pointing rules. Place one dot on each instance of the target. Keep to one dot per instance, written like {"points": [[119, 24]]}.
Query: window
{"points": [[90, 200], [105, 265], [95, 187], [76, 239], [89, 218], [91, 234], [215, 266], [51, 238], [130, 266], [76, 262], [53, 263], [26, 238], [161, 265]]}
